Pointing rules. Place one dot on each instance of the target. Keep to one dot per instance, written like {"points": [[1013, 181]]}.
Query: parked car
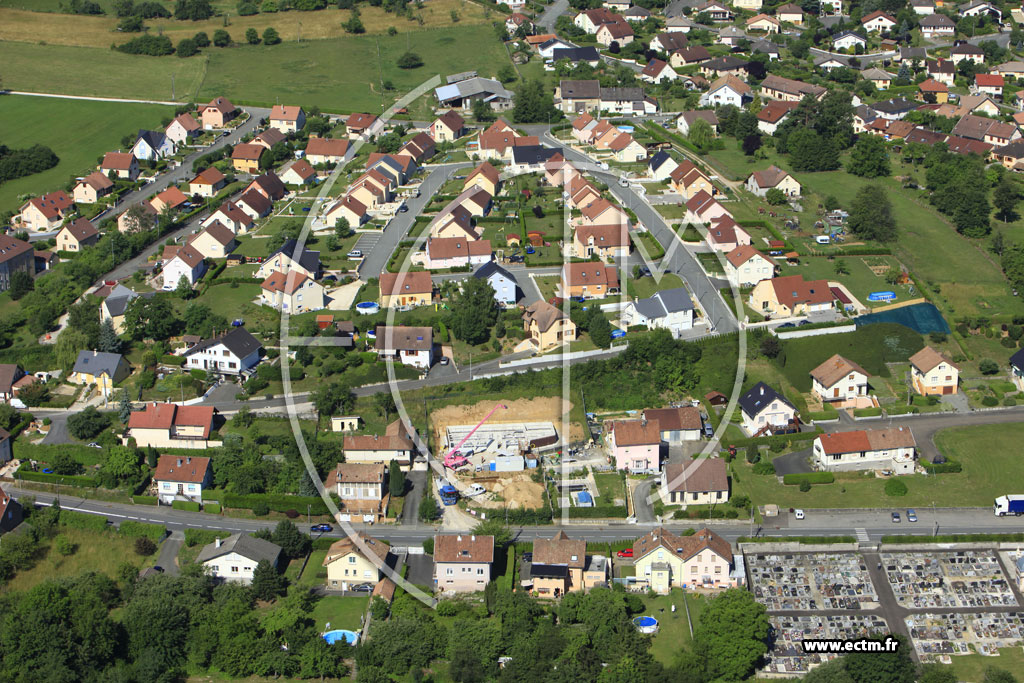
{"points": [[628, 552], [787, 325], [362, 588], [321, 528], [403, 208], [895, 518], [911, 515], [93, 444], [799, 514], [355, 253], [444, 360]]}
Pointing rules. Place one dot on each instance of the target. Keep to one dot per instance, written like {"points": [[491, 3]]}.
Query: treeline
{"points": [[18, 163]]}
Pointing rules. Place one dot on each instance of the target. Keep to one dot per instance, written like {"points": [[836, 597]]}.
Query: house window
{"points": [[449, 571], [718, 569], [234, 570], [693, 569], [352, 559], [480, 572]]}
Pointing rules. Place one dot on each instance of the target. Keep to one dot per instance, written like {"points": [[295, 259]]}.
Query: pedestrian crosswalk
{"points": [[862, 535]]}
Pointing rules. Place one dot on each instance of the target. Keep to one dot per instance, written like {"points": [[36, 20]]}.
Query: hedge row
{"points": [[707, 512], [806, 540], [188, 505], [194, 537], [66, 479], [82, 520], [955, 538], [778, 440], [901, 410], [948, 467], [145, 500], [168, 359], [275, 502], [154, 532], [809, 477], [212, 508], [273, 372], [598, 512]]}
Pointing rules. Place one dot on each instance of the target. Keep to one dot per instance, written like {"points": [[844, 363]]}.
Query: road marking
{"points": [[862, 535]]}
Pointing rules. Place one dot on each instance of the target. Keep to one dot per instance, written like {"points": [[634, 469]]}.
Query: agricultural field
{"points": [[78, 131]]}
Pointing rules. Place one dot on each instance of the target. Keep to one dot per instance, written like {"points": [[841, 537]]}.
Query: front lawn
{"points": [[647, 286], [861, 280], [673, 627], [340, 612], [609, 487]]}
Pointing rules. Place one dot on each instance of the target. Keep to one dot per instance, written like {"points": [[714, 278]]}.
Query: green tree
{"points": [[494, 527], [293, 542], [733, 635], [333, 399], [428, 510], [507, 74], [869, 158], [267, 582], [35, 394], [409, 60], [936, 673], [270, 36], [354, 24], [809, 151], [396, 480], [252, 36], [187, 47], [122, 463], [194, 10], [385, 403], [108, 341], [150, 318], [882, 667], [482, 111], [997, 675], [320, 660], [201, 39], [971, 212], [871, 215], [701, 135], [21, 284], [1005, 197], [775, 197], [534, 103], [840, 267], [474, 311], [600, 330], [221, 38], [87, 423], [64, 545], [342, 229]]}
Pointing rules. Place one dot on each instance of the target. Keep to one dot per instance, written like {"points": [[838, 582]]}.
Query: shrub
{"points": [[212, 508], [948, 467], [261, 509], [144, 546], [447, 608], [194, 537], [805, 486], [988, 367], [409, 60], [895, 488], [810, 478], [428, 546], [752, 454], [145, 500], [187, 47], [64, 545], [764, 468], [189, 505], [275, 502], [989, 401]]}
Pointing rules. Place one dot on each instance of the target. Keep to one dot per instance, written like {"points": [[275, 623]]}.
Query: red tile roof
{"points": [[117, 161], [184, 468]]}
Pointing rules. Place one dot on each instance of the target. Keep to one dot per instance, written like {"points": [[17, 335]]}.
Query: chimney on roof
{"points": [[473, 537], [762, 390], [179, 462], [459, 538], [217, 541]]}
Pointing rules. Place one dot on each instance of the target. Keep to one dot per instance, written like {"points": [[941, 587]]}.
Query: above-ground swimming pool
{"points": [[350, 637], [368, 307], [646, 624]]}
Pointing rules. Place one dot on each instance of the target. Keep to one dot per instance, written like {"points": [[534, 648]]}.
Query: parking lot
{"points": [[811, 581], [366, 242], [788, 656], [966, 578]]}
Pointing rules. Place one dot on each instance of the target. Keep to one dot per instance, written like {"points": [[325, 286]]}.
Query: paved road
{"points": [[416, 483], [168, 558], [875, 523], [550, 16], [377, 260], [680, 261]]}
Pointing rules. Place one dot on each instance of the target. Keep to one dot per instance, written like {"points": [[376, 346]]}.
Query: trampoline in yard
{"points": [[350, 637], [922, 318], [646, 624]]}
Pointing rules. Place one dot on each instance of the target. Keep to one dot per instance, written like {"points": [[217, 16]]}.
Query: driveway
{"points": [[642, 510], [168, 558], [421, 570], [415, 481], [796, 462], [58, 429]]}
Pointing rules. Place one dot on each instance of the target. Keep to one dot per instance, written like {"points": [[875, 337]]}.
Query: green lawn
{"points": [[861, 280], [341, 612], [646, 286], [972, 667], [78, 131], [671, 211], [673, 634], [609, 487], [548, 285]]}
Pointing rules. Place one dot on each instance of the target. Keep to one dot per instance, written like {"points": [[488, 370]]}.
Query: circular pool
{"points": [[367, 307], [646, 624], [350, 637]]}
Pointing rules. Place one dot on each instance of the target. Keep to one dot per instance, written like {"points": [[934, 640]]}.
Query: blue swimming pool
{"points": [[350, 637]]}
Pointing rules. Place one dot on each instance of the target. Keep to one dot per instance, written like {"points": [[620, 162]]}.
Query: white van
{"points": [[822, 239]]}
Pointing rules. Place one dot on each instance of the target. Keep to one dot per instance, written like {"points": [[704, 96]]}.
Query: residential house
{"points": [[778, 88], [401, 290], [326, 150], [269, 137], [688, 56], [395, 445], [977, 104], [603, 212], [664, 561], [676, 424], [937, 26], [630, 101], [923, 7], [77, 235], [358, 124], [1016, 369], [152, 145], [765, 411], [349, 209], [293, 292], [497, 142], [915, 55], [231, 216], [745, 266], [464, 93], [932, 373], [714, 10], [120, 164], [561, 565], [578, 96], [670, 309], [147, 218], [839, 379], [10, 373], [785, 297], [298, 172], [725, 234], [245, 157], [661, 165], [637, 14], [764, 23], [170, 199], [727, 90], [724, 66], [1012, 69], [484, 176], [186, 263], [829, 62], [361, 488], [547, 326], [977, 8], [589, 280], [849, 40], [217, 113], [462, 562], [773, 115], [398, 167], [894, 109], [931, 90], [412, 346], [616, 32], [607, 241], [773, 177], [455, 252], [506, 289], [990, 84], [236, 557], [891, 450], [658, 70], [546, 44], [635, 445], [254, 205], [285, 261], [592, 19], [268, 185], [103, 370], [688, 118], [942, 70], [182, 129], [354, 561], [518, 20], [966, 51], [988, 130], [765, 47], [878, 21], [669, 41], [11, 512], [229, 353], [690, 181], [89, 189], [448, 127], [207, 182], [790, 14], [287, 119], [702, 208], [458, 222], [626, 149], [879, 77], [167, 425], [701, 481], [116, 303], [1010, 155], [182, 477]]}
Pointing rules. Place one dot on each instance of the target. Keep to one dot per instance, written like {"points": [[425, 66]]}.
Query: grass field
{"points": [[101, 552], [609, 487], [673, 633], [341, 612], [646, 286], [861, 280], [17, 24], [78, 131]]}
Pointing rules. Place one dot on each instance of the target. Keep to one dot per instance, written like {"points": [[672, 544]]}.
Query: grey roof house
{"points": [[99, 368], [506, 290], [235, 557], [230, 353], [671, 309]]}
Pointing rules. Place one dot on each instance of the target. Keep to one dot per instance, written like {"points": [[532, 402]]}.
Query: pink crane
{"points": [[450, 459]]}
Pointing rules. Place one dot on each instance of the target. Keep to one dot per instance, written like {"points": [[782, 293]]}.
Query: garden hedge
{"points": [[145, 500], [212, 508], [82, 520], [153, 532], [189, 505], [598, 511], [809, 477], [275, 502], [80, 481]]}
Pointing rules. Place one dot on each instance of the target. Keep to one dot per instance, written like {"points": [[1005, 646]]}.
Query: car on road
{"points": [[355, 253], [444, 360], [362, 588], [623, 182], [321, 528], [403, 208], [628, 552], [895, 518], [799, 514], [911, 515]]}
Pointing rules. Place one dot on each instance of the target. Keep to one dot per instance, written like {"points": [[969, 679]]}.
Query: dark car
{"points": [[803, 322], [362, 588], [158, 568], [787, 325], [515, 259], [403, 208], [321, 528], [528, 557]]}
